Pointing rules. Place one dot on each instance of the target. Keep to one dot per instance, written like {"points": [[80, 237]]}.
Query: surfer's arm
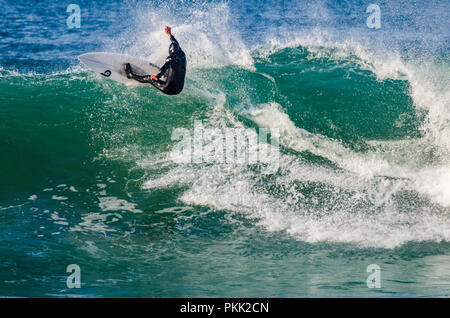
{"points": [[164, 68], [174, 41]]}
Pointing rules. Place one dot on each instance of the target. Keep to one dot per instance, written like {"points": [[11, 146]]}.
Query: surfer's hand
{"points": [[153, 78], [168, 30]]}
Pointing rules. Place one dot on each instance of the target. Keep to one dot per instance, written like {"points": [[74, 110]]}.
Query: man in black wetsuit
{"points": [[174, 69]]}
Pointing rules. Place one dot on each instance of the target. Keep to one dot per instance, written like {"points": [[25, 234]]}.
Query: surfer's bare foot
{"points": [[127, 68]]}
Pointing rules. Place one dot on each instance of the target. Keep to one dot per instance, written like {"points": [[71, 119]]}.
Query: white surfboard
{"points": [[111, 66]]}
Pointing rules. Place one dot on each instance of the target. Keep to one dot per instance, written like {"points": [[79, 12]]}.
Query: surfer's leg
{"points": [[139, 78], [128, 72], [142, 79], [147, 79], [158, 82]]}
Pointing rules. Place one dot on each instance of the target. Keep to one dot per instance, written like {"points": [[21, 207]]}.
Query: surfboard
{"points": [[111, 66]]}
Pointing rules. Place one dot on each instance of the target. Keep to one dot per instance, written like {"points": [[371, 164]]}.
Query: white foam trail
{"points": [[271, 116], [353, 208], [336, 220], [432, 181], [73, 70]]}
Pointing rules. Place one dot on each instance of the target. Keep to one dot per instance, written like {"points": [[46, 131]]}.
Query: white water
{"points": [[384, 197]]}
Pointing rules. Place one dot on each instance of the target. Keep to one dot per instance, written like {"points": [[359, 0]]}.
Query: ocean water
{"points": [[88, 177]]}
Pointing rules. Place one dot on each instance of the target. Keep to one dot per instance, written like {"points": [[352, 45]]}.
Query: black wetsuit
{"points": [[174, 68]]}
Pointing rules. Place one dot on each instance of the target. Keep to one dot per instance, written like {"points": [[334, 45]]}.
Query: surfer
{"points": [[174, 68]]}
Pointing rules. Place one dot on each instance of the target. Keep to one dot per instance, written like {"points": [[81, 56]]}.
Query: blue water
{"points": [[88, 177]]}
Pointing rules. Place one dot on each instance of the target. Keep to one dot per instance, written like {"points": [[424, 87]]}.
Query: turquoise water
{"points": [[363, 176]]}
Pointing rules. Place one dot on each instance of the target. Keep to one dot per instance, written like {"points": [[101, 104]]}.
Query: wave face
{"points": [[361, 120]]}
